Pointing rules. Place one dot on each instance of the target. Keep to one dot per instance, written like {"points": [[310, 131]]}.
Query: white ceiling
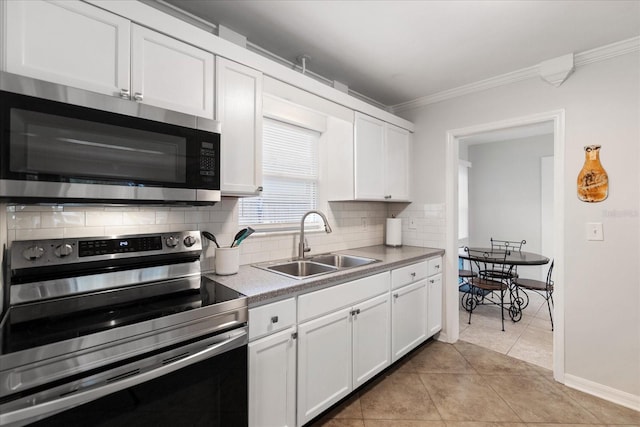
{"points": [[398, 51]]}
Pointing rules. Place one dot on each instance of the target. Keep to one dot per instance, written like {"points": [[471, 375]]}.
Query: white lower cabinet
{"points": [[371, 339], [272, 365], [272, 380], [324, 363], [408, 318], [339, 351]]}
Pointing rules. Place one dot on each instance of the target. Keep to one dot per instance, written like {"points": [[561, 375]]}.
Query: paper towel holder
{"points": [[394, 232]]}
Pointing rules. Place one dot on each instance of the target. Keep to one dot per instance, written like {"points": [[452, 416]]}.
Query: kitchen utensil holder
{"points": [[227, 261]]}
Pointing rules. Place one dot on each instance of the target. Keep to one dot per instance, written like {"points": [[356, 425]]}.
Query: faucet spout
{"points": [[302, 247]]}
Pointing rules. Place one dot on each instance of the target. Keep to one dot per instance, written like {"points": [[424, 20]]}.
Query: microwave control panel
{"points": [[207, 159]]}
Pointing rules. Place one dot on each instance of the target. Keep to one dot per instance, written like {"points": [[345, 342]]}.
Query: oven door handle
{"points": [[235, 339]]}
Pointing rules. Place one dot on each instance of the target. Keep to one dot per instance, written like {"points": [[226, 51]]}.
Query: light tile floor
{"points": [[530, 339], [466, 385]]}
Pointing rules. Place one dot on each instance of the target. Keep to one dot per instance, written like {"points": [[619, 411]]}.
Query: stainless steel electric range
{"points": [[120, 330]]}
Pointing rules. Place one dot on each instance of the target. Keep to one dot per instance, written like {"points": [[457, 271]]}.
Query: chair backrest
{"points": [[507, 245], [489, 265], [549, 273]]}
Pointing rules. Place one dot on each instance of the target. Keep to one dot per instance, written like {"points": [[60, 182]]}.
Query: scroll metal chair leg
{"points": [[550, 297]]}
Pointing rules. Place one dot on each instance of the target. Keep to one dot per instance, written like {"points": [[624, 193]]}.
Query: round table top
{"points": [[513, 257]]}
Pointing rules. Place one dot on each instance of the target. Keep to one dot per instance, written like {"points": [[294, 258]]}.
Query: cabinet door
{"points": [[408, 318], [239, 110], [397, 144], [324, 363], [70, 43], [434, 305], [272, 380], [371, 338], [369, 158], [170, 74]]}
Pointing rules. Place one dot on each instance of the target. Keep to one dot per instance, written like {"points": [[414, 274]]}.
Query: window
{"points": [[289, 178]]}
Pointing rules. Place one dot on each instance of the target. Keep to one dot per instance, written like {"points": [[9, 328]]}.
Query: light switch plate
{"points": [[412, 224], [594, 231]]}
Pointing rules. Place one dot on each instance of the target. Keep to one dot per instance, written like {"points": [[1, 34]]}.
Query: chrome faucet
{"points": [[302, 247]]}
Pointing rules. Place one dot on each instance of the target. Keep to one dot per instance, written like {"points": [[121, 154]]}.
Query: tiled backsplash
{"points": [[354, 224]]}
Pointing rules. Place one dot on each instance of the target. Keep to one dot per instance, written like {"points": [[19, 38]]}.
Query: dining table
{"points": [[513, 259]]}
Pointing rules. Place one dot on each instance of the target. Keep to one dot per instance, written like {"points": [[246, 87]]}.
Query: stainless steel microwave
{"points": [[60, 144]]}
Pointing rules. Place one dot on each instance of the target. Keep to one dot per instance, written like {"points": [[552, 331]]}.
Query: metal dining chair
{"points": [[489, 283], [544, 289]]}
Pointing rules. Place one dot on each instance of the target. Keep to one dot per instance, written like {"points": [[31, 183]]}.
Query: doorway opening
{"points": [[491, 145]]}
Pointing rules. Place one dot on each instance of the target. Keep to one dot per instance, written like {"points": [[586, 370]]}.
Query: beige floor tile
{"points": [[483, 424], [464, 397], [604, 411], [349, 409], [403, 423], [535, 346], [400, 396], [333, 422], [437, 357], [489, 362], [537, 400]]}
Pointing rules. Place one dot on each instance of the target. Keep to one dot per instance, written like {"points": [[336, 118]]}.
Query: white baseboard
{"points": [[605, 392]]}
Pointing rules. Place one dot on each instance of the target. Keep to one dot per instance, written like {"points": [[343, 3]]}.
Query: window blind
{"points": [[289, 178]]}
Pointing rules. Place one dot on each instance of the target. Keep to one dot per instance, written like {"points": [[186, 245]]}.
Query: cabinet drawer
{"points": [[330, 299], [435, 266], [271, 318], [409, 274]]}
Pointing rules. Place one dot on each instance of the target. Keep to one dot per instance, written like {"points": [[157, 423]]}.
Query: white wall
{"points": [[505, 193], [602, 290]]}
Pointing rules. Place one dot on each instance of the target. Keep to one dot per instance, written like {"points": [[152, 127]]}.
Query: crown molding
{"points": [[602, 53]]}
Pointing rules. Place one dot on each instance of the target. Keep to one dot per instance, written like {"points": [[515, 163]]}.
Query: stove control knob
{"points": [[33, 253], [189, 241], [63, 250], [172, 241]]}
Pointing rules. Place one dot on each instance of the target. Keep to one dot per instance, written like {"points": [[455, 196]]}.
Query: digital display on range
{"points": [[118, 246]]}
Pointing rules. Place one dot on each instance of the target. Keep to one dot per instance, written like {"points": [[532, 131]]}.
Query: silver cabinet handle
{"points": [[432, 281], [274, 319], [413, 275], [138, 97], [125, 94], [387, 196], [396, 296], [294, 335], [438, 267], [259, 189], [355, 312]]}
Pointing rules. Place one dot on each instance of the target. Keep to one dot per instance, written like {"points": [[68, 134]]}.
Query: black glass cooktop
{"points": [[20, 335]]}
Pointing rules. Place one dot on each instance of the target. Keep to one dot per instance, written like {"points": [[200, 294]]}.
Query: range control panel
{"points": [[36, 253]]}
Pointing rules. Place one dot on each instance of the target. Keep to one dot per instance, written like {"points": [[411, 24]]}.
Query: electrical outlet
{"points": [[413, 224], [363, 221], [594, 231]]}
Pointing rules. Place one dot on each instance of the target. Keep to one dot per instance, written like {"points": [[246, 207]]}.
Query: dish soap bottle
{"points": [[593, 182]]}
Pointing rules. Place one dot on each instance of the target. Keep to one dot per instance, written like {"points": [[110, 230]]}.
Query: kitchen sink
{"points": [[300, 269], [315, 266], [342, 261]]}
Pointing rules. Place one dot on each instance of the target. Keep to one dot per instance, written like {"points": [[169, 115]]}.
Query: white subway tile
{"points": [[63, 219], [23, 220], [196, 216], [84, 232], [39, 233], [98, 218], [169, 217], [138, 218]]}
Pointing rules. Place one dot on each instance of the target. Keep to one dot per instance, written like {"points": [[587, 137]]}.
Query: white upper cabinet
{"points": [[239, 110], [379, 167], [70, 43], [79, 45], [396, 170], [170, 74]]}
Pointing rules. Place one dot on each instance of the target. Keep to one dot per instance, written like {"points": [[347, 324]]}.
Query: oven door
{"points": [[202, 383], [55, 149]]}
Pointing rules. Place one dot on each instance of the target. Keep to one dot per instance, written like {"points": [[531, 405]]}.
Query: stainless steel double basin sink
{"points": [[315, 265]]}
